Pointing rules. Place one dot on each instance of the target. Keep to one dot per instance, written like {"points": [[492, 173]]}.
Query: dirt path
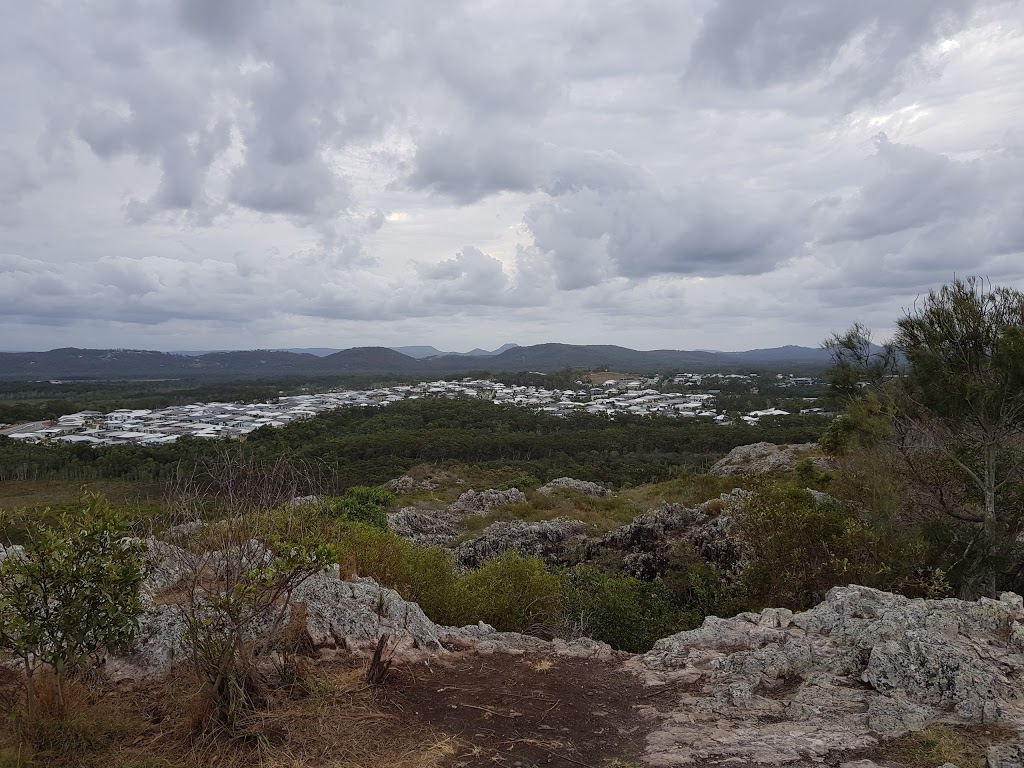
{"points": [[539, 710]]}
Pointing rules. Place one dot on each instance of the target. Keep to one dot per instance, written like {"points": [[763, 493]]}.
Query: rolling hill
{"points": [[70, 362]]}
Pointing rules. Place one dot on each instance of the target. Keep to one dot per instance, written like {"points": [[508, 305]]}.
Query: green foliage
{"points": [[700, 588], [801, 547], [424, 575], [236, 606], [626, 613], [362, 504], [73, 593], [513, 593]]}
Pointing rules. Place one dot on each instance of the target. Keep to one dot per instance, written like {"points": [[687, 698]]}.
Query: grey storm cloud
{"points": [[858, 48], [608, 170]]}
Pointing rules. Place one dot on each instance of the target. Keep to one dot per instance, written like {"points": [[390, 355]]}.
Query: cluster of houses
{"points": [[235, 420]]}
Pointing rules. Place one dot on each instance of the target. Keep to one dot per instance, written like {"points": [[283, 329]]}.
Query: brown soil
{"points": [[524, 711]]}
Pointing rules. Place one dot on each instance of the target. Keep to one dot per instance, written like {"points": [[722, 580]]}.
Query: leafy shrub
{"points": [[362, 504], [801, 547], [700, 588], [236, 607], [513, 593], [425, 575], [72, 594], [627, 613]]}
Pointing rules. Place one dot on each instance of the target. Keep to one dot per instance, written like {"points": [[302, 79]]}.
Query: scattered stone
{"points": [[775, 687], [576, 486], [304, 501], [480, 502], [547, 540], [765, 458], [183, 531]]}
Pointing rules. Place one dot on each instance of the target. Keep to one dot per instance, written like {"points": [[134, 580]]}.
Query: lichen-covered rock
{"points": [[775, 687], [480, 502], [765, 458], [1005, 755], [571, 484], [547, 540], [353, 614], [167, 566], [646, 541], [424, 526]]}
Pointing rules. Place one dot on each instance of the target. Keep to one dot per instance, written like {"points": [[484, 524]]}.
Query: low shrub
{"points": [[425, 575], [700, 588], [362, 504], [72, 595], [627, 613], [801, 546], [513, 594]]}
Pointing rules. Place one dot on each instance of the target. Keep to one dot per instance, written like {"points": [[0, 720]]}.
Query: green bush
{"points": [[425, 575], [362, 504], [73, 594], [513, 593], [801, 547], [627, 613], [700, 588]]}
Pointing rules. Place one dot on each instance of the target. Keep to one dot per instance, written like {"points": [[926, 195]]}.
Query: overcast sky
{"points": [[658, 174]]}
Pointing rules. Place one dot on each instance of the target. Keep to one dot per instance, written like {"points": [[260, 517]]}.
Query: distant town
{"points": [[220, 420]]}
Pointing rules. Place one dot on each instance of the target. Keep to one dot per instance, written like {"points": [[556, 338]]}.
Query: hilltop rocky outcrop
{"points": [[481, 502], [765, 688], [549, 540], [646, 542], [766, 458], [582, 487]]}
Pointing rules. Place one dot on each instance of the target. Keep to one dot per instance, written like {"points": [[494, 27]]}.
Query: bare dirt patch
{"points": [[525, 711]]}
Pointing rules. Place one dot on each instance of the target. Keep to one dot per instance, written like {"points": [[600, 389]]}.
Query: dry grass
{"points": [[689, 490], [332, 719], [601, 514], [18, 494], [964, 746]]}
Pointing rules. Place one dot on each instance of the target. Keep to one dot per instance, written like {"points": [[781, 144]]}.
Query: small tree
{"points": [[957, 410], [236, 607], [71, 594]]}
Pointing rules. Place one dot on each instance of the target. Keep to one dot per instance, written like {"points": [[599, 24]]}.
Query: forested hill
{"points": [[121, 363]]}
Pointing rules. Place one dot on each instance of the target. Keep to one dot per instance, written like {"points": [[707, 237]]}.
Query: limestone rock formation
{"points": [[424, 526], [571, 484], [480, 502], [547, 540], [765, 458], [647, 540], [407, 484], [775, 687]]}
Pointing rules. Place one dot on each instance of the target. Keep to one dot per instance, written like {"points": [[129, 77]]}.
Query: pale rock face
{"points": [[480, 502], [354, 614], [10, 551], [424, 526], [775, 687], [406, 484], [571, 484], [764, 458]]}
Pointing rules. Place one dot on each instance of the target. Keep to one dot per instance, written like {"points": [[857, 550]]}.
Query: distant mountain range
{"points": [[71, 362], [415, 352]]}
